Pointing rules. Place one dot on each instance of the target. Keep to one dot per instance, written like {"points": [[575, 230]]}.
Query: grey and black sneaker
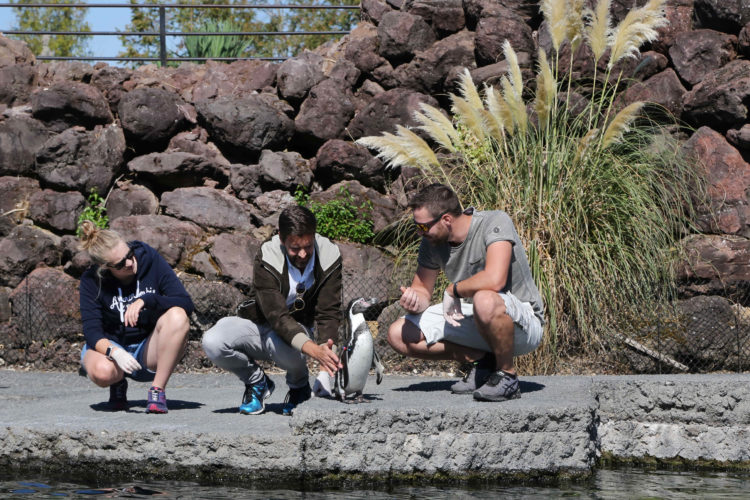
{"points": [[480, 372], [501, 386], [295, 397]]}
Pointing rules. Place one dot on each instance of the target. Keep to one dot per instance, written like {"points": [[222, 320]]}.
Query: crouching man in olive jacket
{"points": [[296, 298]]}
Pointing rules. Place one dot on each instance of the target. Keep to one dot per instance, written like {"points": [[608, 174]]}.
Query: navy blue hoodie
{"points": [[104, 301]]}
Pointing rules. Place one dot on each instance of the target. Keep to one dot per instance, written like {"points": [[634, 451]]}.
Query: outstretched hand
{"points": [[328, 360], [412, 301], [452, 309]]}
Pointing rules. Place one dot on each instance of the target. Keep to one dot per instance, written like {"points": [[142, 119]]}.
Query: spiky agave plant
{"points": [[598, 207]]}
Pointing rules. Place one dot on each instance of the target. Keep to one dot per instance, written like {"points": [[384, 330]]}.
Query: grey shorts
{"points": [[527, 336]]}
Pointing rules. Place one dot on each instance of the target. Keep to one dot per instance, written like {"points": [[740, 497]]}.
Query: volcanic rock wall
{"points": [[198, 160]]}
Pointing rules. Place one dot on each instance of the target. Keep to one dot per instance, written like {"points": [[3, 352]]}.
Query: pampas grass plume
{"points": [[469, 115], [499, 113], [638, 27], [621, 123], [437, 126], [546, 90], [403, 149], [599, 32], [557, 23]]}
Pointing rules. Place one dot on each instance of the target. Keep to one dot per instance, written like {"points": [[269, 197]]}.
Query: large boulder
{"points": [[16, 194], [68, 104], [54, 72], [325, 113], [339, 160], [679, 14], [234, 254], [391, 108], [373, 10], [663, 89], [698, 53], [213, 300], [174, 239], [743, 41], [286, 170], [45, 307], [718, 258], [55, 210], [243, 127], [81, 159], [383, 211], [362, 48], [401, 35], [151, 116], [20, 139], [427, 71], [728, 178], [109, 80], [477, 9], [297, 75], [13, 52], [234, 79], [740, 137], [720, 99], [208, 207], [17, 83], [445, 16], [23, 249], [131, 199], [366, 272], [270, 204], [722, 15], [708, 337], [245, 181], [493, 31], [173, 170], [196, 142]]}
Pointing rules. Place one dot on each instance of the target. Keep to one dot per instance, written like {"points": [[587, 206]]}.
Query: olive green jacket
{"points": [[267, 299]]}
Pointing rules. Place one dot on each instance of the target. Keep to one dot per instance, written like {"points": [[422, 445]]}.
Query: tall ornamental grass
{"points": [[600, 195]]}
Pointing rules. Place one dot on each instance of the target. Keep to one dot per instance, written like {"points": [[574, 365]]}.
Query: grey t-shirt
{"points": [[467, 259]]}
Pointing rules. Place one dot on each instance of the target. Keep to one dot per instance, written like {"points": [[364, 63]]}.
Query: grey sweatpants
{"points": [[234, 344]]}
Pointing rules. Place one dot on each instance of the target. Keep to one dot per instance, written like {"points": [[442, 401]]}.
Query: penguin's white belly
{"points": [[359, 362]]}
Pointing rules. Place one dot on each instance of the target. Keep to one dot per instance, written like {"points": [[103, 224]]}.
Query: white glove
{"points": [[452, 309], [322, 385], [125, 360]]}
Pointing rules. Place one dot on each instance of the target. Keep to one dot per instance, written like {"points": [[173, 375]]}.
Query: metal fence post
{"points": [[163, 36]]}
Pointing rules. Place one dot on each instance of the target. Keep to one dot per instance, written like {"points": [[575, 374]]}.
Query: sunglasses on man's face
{"points": [[426, 226], [299, 302], [121, 263]]}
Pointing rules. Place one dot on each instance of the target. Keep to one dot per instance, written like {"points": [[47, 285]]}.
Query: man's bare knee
{"points": [[487, 305], [396, 336]]}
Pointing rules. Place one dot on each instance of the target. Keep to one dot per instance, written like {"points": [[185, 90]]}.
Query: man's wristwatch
{"points": [[108, 353]]}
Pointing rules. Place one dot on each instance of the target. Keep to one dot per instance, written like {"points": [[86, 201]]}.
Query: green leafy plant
{"points": [[599, 196], [95, 211], [341, 218], [214, 46]]}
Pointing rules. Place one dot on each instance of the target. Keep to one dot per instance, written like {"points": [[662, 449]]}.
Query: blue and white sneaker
{"points": [[254, 399]]}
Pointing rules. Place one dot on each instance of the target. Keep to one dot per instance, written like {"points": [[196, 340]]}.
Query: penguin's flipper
{"points": [[378, 366]]}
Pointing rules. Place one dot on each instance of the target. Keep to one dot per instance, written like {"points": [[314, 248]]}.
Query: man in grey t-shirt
{"points": [[502, 314]]}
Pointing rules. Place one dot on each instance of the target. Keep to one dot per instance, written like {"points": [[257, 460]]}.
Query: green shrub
{"points": [[216, 46], [599, 197], [341, 218], [95, 211]]}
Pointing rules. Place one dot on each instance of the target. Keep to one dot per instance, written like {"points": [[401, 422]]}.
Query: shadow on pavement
{"points": [[172, 404], [445, 385]]}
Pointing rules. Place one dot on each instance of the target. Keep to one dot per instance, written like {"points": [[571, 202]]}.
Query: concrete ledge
{"points": [[411, 428]]}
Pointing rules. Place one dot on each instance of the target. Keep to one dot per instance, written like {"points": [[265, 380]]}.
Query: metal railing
{"points": [[163, 33]]}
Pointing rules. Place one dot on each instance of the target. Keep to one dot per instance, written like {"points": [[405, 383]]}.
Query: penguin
{"points": [[358, 354]]}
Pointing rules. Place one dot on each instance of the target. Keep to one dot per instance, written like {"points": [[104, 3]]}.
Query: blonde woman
{"points": [[134, 312]]}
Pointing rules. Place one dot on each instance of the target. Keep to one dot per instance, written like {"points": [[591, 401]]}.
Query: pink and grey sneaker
{"points": [[156, 401]]}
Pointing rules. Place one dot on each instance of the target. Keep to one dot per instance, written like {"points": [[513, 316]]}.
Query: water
{"points": [[604, 484]]}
